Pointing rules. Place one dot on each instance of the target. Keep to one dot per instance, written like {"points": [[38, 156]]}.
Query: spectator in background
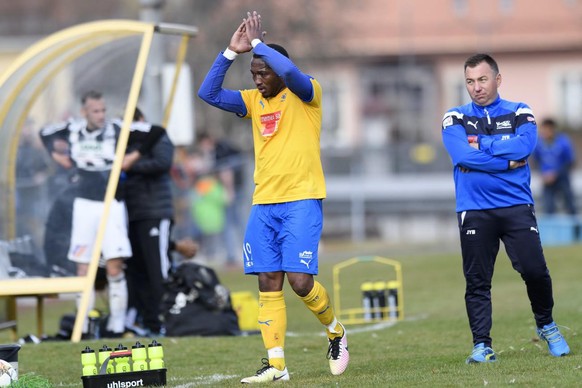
{"points": [[208, 207], [228, 163], [555, 158], [149, 201], [62, 188], [32, 170]]}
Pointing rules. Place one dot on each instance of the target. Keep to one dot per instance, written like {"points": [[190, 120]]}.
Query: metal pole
{"points": [[152, 104]]}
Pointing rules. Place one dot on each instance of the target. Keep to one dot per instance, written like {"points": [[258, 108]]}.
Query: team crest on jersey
{"points": [[270, 123], [447, 121]]}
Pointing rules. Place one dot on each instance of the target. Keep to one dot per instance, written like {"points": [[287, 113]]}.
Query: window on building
{"points": [[569, 102], [506, 6], [460, 7], [460, 94], [331, 115]]}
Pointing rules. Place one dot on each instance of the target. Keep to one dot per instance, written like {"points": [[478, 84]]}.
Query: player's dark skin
{"points": [[269, 84]]}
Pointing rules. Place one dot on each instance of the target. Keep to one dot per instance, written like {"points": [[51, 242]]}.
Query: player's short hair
{"points": [[476, 59], [280, 49], [91, 95], [549, 122]]}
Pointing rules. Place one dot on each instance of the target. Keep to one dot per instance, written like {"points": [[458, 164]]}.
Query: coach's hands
{"points": [[513, 164]]}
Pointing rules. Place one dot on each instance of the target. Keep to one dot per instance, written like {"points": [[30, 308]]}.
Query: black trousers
{"points": [[148, 268], [480, 232]]}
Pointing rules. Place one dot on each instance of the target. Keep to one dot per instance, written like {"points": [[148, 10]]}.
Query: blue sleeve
{"points": [[570, 153], [462, 154], [299, 83], [518, 147], [567, 156], [211, 90]]}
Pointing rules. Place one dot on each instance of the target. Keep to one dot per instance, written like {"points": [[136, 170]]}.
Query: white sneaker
{"points": [[267, 373], [338, 354]]}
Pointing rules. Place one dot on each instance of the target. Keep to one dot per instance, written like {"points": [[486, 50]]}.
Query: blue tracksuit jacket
{"points": [[505, 131]]}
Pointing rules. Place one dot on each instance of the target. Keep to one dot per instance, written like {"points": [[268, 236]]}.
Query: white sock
{"points": [[332, 325], [130, 317], [117, 303], [90, 307], [276, 353]]}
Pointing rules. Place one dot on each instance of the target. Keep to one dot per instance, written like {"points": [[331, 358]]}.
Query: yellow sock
{"points": [[273, 324], [318, 302]]}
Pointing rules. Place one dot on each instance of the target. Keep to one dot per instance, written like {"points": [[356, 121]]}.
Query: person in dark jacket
{"points": [[148, 197]]}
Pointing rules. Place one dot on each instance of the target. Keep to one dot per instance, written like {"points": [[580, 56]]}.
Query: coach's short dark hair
{"points": [[280, 49], [91, 95], [476, 59]]}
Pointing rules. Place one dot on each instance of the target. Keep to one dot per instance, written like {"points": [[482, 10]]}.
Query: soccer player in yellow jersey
{"points": [[286, 219]]}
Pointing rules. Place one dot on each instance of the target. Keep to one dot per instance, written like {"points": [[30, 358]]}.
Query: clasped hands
{"points": [[247, 31]]}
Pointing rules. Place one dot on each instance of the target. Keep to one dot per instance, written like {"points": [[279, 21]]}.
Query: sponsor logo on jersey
{"points": [[473, 124], [270, 123], [503, 124]]}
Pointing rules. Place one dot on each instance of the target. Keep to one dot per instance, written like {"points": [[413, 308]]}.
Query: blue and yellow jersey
{"points": [[286, 134], [286, 128]]}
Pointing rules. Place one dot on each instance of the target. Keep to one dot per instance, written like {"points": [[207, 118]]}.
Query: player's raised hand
{"points": [[239, 43], [253, 26]]}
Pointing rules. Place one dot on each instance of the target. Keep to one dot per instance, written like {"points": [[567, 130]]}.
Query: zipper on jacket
{"points": [[487, 113]]}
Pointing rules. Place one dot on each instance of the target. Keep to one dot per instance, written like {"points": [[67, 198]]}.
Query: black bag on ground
{"points": [[196, 304]]}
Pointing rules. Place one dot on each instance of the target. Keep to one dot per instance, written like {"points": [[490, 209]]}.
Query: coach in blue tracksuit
{"points": [[489, 141]]}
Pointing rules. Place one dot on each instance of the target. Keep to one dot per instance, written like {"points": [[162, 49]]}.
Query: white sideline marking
{"points": [[364, 328], [205, 380]]}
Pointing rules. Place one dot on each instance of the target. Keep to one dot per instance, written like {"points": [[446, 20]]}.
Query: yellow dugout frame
{"points": [[20, 85]]}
